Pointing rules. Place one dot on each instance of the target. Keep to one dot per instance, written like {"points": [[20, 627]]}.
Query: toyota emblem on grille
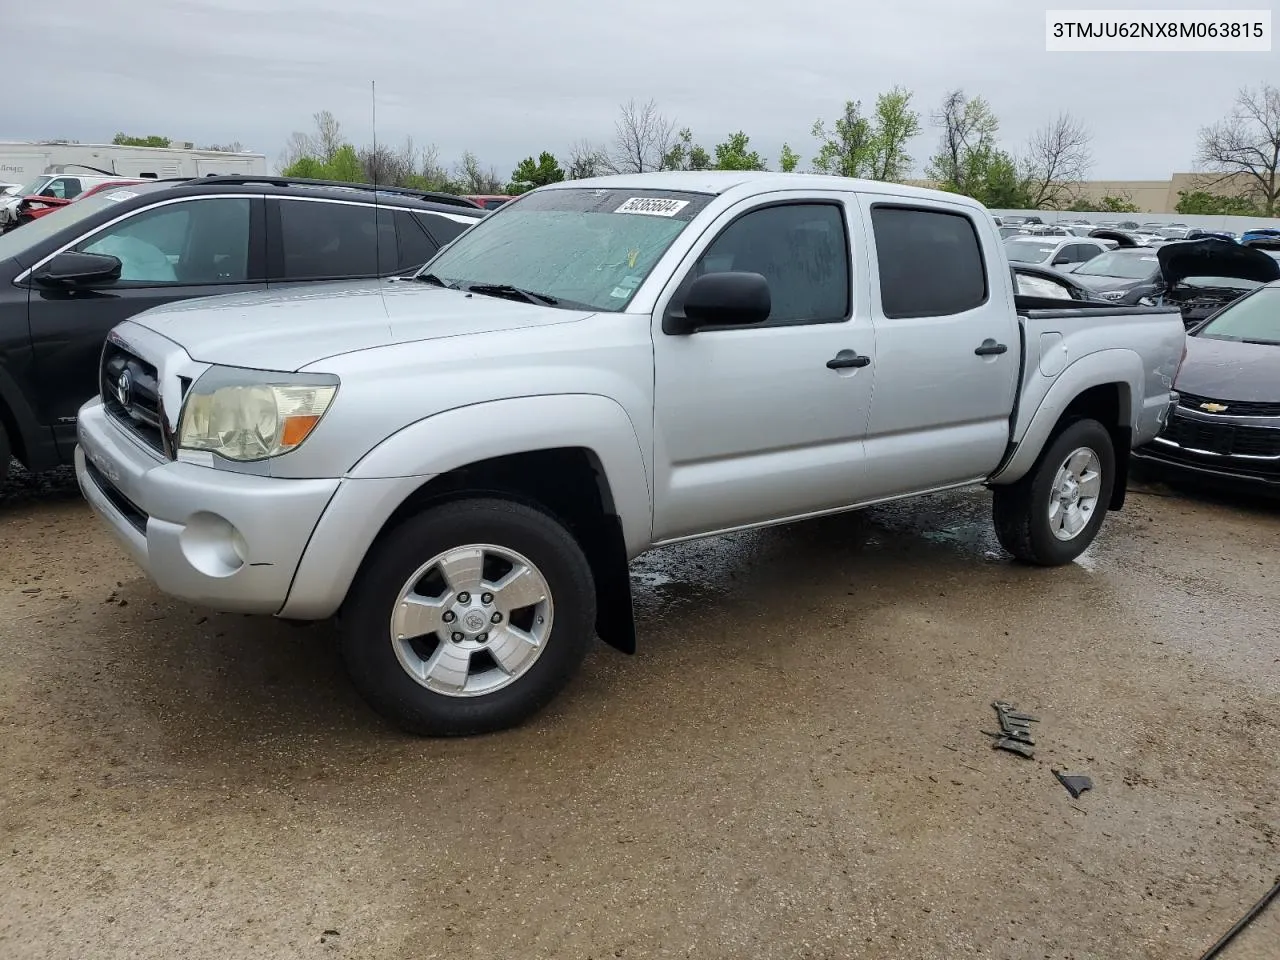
{"points": [[124, 389]]}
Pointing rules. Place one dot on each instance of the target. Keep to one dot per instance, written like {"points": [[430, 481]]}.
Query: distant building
{"points": [[1149, 196]]}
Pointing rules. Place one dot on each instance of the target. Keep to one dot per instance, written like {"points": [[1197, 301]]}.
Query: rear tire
{"points": [[5, 454], [1050, 516], [468, 618]]}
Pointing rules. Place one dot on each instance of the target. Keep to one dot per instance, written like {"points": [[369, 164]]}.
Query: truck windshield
{"points": [[576, 246], [1254, 319]]}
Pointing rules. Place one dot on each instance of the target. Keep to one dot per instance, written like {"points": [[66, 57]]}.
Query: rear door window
{"points": [[930, 262], [416, 248], [327, 240]]}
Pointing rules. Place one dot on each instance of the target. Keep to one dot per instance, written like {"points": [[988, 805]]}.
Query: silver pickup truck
{"points": [[460, 465]]}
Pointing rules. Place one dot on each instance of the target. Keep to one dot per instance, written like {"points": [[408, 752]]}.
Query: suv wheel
{"points": [[1051, 515], [468, 617], [5, 453]]}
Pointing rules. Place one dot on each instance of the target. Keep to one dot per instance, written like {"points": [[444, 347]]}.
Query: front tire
{"points": [[1050, 516], [468, 618]]}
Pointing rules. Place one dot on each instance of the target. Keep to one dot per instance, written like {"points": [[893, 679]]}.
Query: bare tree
{"points": [[1244, 148], [328, 136], [642, 139], [585, 160], [474, 179], [1056, 162], [391, 167], [234, 146], [432, 171], [299, 146]]}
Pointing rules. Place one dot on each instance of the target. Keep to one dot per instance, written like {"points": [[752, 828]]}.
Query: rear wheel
{"points": [[5, 453], [468, 618], [1051, 515]]}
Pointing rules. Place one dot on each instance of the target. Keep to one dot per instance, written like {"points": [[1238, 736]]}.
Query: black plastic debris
{"points": [[1076, 783], [1015, 730]]}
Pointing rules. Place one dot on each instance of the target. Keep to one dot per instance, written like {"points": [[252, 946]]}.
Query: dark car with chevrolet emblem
{"points": [[1226, 426], [69, 277]]}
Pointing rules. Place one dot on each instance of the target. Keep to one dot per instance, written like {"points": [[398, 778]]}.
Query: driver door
{"points": [[754, 424]]}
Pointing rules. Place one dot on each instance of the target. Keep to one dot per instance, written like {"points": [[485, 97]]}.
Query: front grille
{"points": [[1235, 408], [136, 516], [130, 389], [1221, 438]]}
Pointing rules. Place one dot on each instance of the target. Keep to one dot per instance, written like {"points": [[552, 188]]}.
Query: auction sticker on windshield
{"points": [[653, 206], [119, 195]]}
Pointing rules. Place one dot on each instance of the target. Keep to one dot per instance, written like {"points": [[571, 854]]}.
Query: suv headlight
{"points": [[253, 414], [1113, 294]]}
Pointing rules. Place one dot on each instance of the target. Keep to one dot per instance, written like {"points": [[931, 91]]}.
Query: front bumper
{"points": [[216, 538]]}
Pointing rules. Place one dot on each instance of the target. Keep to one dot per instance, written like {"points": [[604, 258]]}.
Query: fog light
{"points": [[213, 545]]}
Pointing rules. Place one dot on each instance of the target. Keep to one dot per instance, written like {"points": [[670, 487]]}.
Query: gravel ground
{"points": [[791, 767]]}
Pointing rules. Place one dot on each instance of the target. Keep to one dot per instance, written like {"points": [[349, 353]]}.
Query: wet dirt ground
{"points": [[791, 766]]}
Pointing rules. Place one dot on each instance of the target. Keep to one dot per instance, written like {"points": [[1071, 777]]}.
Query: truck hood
{"points": [[287, 330], [1230, 370], [1215, 257]]}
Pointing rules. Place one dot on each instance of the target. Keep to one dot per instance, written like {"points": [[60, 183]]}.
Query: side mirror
{"points": [[78, 269], [1060, 259], [725, 299]]}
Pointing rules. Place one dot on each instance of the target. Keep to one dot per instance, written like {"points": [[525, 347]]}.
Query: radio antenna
{"points": [[374, 159]]}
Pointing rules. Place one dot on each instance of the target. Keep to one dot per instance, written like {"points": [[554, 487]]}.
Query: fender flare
{"points": [[385, 477], [1116, 366]]}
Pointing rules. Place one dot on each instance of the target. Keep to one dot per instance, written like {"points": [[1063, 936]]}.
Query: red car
{"points": [[489, 201], [34, 207]]}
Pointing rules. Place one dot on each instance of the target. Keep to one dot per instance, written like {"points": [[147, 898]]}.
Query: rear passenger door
{"points": [[940, 414]]}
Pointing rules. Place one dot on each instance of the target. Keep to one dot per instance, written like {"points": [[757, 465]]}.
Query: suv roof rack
{"points": [[235, 178]]}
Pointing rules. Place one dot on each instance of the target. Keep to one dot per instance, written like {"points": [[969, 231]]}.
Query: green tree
{"points": [[848, 149], [872, 147], [788, 160], [344, 166], [734, 154], [124, 140], [969, 161], [685, 154], [1213, 204], [530, 173], [895, 125], [1118, 205]]}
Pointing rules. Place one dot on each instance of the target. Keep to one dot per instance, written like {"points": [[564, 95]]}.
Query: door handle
{"points": [[847, 358], [990, 348]]}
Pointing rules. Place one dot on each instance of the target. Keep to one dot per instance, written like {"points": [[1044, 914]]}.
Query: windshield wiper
{"points": [[1263, 343], [512, 293], [432, 279]]}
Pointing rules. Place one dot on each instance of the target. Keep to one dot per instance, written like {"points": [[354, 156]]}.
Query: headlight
{"points": [[1112, 294], [253, 414]]}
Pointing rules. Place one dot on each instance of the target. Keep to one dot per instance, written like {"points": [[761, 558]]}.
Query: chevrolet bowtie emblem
{"points": [[1214, 407]]}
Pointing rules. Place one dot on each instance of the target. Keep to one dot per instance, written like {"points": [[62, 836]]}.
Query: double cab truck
{"points": [[459, 465]]}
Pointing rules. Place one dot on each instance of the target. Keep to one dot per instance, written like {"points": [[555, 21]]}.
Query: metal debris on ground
{"points": [[1015, 730], [1243, 922], [1076, 783]]}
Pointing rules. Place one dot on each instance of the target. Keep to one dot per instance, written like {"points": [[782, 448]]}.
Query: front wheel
{"points": [[1051, 515], [468, 618]]}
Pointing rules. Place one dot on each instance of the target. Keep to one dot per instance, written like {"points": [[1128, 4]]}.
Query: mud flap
{"points": [[1121, 440], [606, 551]]}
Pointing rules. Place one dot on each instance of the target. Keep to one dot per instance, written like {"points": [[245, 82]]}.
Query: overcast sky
{"points": [[509, 79]]}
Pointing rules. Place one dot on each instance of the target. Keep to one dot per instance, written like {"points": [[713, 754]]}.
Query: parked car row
{"points": [[68, 278]]}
